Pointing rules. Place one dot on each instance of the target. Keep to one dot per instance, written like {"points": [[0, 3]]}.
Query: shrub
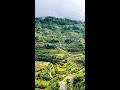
{"points": [[68, 41], [36, 37], [50, 46], [53, 41]]}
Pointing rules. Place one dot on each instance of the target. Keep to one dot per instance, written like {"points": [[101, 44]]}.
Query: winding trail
{"points": [[50, 71]]}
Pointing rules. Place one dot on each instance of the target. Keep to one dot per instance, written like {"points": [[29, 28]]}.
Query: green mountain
{"points": [[61, 44]]}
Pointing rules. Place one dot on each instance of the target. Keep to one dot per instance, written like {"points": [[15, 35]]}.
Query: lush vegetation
{"points": [[61, 43]]}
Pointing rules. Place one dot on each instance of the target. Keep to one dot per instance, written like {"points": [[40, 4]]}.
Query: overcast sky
{"points": [[74, 9]]}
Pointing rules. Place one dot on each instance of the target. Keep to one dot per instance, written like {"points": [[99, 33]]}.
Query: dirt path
{"points": [[50, 71]]}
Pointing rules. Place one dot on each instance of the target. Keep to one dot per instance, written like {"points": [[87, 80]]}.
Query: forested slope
{"points": [[61, 42]]}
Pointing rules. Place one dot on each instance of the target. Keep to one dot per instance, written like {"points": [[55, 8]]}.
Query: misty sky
{"points": [[74, 9]]}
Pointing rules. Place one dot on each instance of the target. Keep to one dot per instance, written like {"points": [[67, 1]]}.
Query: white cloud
{"points": [[74, 9]]}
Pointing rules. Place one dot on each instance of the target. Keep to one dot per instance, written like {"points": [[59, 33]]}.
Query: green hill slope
{"points": [[62, 43]]}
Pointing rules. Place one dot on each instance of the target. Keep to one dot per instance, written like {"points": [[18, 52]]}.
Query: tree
{"points": [[68, 84], [79, 83]]}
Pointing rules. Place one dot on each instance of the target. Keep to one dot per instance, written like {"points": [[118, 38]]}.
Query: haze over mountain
{"points": [[74, 9]]}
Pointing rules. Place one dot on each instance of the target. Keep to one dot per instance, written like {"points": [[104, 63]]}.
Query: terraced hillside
{"points": [[59, 54]]}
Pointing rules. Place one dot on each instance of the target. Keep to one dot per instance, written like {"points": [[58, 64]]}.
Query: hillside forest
{"points": [[59, 54]]}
